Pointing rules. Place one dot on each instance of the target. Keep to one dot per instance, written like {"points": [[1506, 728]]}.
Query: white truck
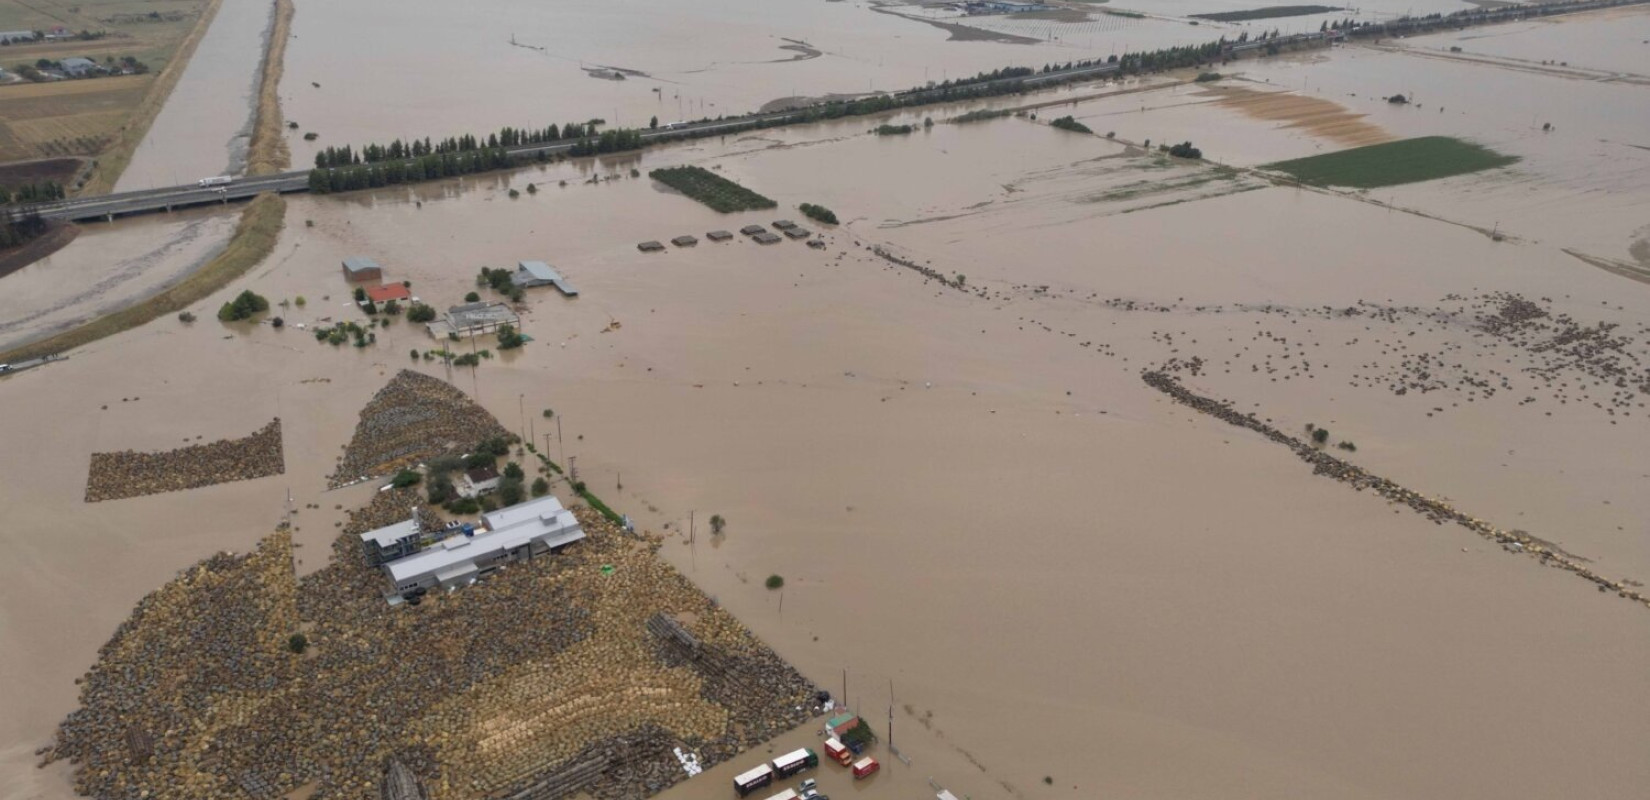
{"points": [[221, 180]]}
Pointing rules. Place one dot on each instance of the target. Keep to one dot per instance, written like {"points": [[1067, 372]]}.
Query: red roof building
{"points": [[383, 294]]}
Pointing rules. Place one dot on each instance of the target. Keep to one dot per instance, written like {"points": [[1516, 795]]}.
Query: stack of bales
{"points": [[128, 473]]}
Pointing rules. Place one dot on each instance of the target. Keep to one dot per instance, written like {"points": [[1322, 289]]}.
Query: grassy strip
{"points": [[267, 154], [1265, 12], [711, 189], [254, 239], [1392, 163], [596, 503], [113, 160]]}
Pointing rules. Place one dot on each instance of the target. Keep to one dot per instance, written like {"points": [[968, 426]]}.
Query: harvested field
{"points": [[71, 118], [547, 670], [1405, 161], [106, 117], [1266, 12], [711, 189], [1313, 115], [114, 476], [412, 419]]}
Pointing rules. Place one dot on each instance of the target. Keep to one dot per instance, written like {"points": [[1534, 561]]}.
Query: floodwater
{"points": [[977, 505], [204, 127], [705, 60], [106, 268]]}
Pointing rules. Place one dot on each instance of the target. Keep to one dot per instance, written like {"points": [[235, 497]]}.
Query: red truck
{"points": [[865, 767]]}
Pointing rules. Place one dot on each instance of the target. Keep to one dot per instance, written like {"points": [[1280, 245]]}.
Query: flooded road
{"points": [[202, 131], [1071, 586]]}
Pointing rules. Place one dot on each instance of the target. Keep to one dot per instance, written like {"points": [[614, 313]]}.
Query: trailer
{"points": [[788, 794], [747, 782], [219, 180], [795, 761], [865, 767], [838, 751]]}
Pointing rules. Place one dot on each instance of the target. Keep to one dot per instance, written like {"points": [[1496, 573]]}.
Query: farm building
{"points": [[684, 241], [480, 481], [752, 230], [767, 238], [75, 66], [784, 224], [361, 268], [388, 292], [392, 541], [718, 236], [651, 247], [797, 232], [520, 532], [473, 319], [537, 273], [7, 37]]}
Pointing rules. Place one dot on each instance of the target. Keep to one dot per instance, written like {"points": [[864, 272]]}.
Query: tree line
{"points": [[399, 151], [20, 228], [32, 193]]}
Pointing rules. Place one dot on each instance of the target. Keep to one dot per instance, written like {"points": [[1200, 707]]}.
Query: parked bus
{"points": [[795, 761], [748, 782]]}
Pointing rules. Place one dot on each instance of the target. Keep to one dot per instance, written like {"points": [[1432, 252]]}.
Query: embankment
{"points": [[254, 239], [112, 162], [268, 154]]}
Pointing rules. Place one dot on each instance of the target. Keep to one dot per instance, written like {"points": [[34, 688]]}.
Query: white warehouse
{"points": [[518, 533]]}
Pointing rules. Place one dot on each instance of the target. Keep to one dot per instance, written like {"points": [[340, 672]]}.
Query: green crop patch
{"points": [[711, 189], [1393, 163]]}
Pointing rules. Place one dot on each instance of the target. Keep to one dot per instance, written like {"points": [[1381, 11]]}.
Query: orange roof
{"points": [[394, 291]]}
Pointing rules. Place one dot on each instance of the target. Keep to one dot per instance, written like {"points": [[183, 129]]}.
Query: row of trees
{"points": [[32, 193], [20, 228], [398, 150], [423, 168]]}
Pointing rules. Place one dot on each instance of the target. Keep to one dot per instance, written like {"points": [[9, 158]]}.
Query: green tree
{"points": [[420, 312], [541, 487], [717, 523], [653, 123], [514, 472], [406, 478], [510, 492], [775, 582], [243, 307], [297, 643], [472, 297]]}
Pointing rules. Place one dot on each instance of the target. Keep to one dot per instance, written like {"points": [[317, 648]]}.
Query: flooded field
{"points": [[1057, 581]]}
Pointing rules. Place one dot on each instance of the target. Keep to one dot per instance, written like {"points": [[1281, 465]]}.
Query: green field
{"points": [[1266, 12], [711, 189], [1393, 163]]}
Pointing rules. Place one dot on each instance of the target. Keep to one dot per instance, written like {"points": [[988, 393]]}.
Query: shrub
{"points": [[406, 478], [717, 523], [775, 582], [463, 505], [297, 643], [277, 323], [1348, 446], [242, 307], [421, 312], [1068, 123], [1320, 435], [514, 472], [893, 130], [1185, 150], [392, 308], [541, 487], [441, 490], [299, 301], [1208, 77], [186, 317], [510, 492], [472, 297]]}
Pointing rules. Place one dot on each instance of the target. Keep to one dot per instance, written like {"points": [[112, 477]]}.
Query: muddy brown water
{"points": [[1060, 573]]}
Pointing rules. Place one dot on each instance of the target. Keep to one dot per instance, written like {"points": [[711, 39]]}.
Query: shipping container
{"points": [[795, 761], [748, 782], [838, 751], [865, 766]]}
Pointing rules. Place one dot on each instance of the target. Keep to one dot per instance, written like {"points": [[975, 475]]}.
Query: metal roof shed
{"points": [[361, 268]]}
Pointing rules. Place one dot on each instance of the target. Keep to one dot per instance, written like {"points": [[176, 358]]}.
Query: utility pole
{"points": [[560, 445], [521, 407]]}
